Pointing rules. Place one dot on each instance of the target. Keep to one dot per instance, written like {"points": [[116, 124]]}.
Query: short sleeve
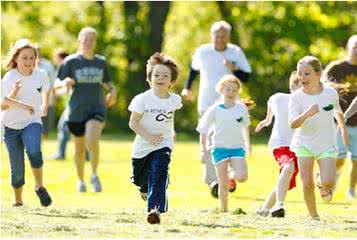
{"points": [[246, 117], [6, 86], [294, 107], [336, 103], [137, 104], [106, 76], [241, 61], [196, 59], [206, 121], [64, 70], [46, 83], [177, 102]]}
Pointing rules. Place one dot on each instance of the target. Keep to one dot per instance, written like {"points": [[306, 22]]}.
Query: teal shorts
{"points": [[303, 152], [221, 154]]}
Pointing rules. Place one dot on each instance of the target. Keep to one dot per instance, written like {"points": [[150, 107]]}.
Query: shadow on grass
{"points": [[209, 225]]}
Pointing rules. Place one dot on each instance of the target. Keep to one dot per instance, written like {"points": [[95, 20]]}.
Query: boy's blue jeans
{"points": [[16, 141], [150, 174]]}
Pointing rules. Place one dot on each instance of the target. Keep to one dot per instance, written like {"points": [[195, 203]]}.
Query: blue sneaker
{"points": [[81, 187], [96, 185]]}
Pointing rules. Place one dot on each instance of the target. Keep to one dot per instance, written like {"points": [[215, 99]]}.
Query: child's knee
{"points": [[329, 184], [242, 177], [308, 186], [35, 159], [289, 168]]}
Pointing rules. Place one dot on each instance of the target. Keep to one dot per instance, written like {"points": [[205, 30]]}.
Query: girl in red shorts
{"points": [[279, 142]]}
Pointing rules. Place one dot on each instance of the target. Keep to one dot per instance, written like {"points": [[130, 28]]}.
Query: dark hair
{"points": [[160, 58], [61, 53]]}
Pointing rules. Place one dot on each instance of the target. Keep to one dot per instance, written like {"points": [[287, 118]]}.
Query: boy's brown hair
{"points": [[160, 58]]}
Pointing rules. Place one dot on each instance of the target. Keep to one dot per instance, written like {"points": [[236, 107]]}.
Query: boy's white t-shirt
{"points": [[226, 123], [281, 133], [29, 93], [157, 117], [209, 62], [318, 133]]}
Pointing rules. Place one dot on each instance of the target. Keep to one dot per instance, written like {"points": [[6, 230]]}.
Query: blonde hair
{"points": [[161, 58], [294, 81], [226, 79], [15, 50], [85, 31], [313, 61]]}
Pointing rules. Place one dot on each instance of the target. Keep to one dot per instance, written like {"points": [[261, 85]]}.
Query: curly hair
{"points": [[161, 58]]}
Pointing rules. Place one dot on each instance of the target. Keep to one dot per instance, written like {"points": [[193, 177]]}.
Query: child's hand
{"points": [[313, 109], [29, 109], [204, 155], [187, 94], [110, 99], [17, 85], [155, 139], [262, 124], [230, 65], [69, 82], [249, 150]]}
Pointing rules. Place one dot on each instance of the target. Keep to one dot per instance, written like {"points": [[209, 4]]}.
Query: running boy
{"points": [[152, 119]]}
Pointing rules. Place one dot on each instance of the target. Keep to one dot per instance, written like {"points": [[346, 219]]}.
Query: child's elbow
{"points": [[293, 125]]}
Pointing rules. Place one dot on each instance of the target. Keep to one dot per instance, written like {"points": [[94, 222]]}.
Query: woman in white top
{"points": [[311, 113], [24, 98], [230, 125]]}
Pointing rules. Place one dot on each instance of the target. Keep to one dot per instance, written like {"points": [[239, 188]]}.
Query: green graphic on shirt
{"points": [[328, 107], [240, 119]]}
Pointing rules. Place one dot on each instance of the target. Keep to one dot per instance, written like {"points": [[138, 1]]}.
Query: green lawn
{"points": [[120, 212]]}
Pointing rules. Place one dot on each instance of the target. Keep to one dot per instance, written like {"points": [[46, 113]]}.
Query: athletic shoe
{"points": [[351, 194], [278, 210], [263, 212], [326, 195], [214, 189], [232, 185], [81, 187], [58, 157], [153, 216], [96, 186], [44, 197], [144, 196], [17, 205]]}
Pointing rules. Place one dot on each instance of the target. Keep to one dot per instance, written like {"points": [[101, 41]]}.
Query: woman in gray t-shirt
{"points": [[87, 74]]}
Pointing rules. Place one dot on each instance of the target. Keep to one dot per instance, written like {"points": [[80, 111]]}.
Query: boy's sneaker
{"points": [[144, 196], [214, 189], [94, 180], [44, 197], [153, 216], [326, 195], [278, 210], [263, 212], [351, 194], [232, 185], [81, 187]]}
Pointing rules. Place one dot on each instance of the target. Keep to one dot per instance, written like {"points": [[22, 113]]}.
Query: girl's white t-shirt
{"points": [[157, 117], [281, 133], [318, 133], [226, 123], [29, 93]]}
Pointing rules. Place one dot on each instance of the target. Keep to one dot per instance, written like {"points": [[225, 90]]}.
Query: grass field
{"points": [[120, 212]]}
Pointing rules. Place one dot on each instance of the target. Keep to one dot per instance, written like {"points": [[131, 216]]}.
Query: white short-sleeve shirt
{"points": [[210, 63], [226, 123], [29, 93], [318, 133], [281, 133], [157, 117]]}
